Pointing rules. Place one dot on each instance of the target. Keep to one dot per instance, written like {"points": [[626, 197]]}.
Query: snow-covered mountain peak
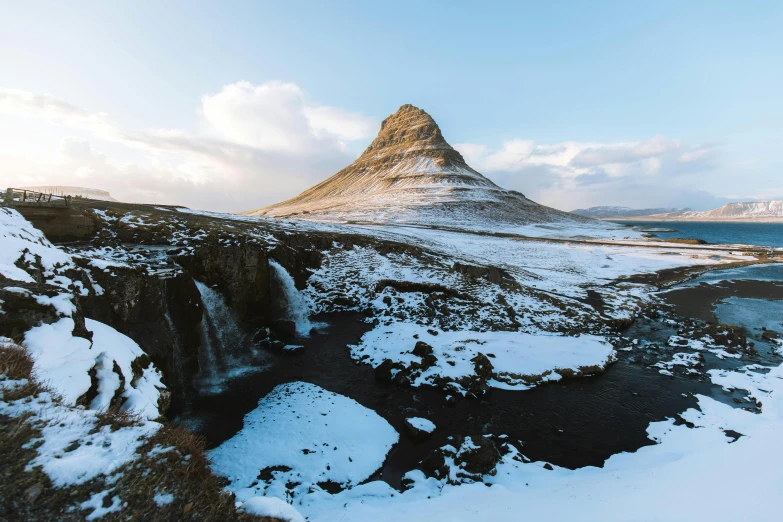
{"points": [[411, 175]]}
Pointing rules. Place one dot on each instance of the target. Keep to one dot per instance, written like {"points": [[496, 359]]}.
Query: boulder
{"points": [[419, 428], [383, 372], [478, 457], [482, 366], [285, 328], [422, 349]]}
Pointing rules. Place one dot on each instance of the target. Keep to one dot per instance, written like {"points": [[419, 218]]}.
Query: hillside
{"points": [[410, 175]]}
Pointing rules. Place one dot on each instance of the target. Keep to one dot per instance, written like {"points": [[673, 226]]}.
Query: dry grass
{"points": [[15, 364], [182, 470]]}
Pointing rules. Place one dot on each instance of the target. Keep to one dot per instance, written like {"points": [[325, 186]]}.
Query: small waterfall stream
{"points": [[295, 305], [225, 348]]}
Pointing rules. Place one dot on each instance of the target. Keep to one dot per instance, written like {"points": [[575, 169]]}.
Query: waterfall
{"points": [[225, 349], [295, 305]]}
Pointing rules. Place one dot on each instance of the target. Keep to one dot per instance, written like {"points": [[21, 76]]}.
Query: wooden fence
{"points": [[25, 197]]}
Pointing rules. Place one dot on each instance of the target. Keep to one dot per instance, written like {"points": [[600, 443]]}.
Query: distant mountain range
{"points": [[621, 212], [750, 211]]}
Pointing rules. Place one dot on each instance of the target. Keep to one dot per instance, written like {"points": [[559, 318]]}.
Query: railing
{"points": [[25, 197]]}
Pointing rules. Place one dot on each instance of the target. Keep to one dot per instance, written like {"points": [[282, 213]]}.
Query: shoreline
{"points": [[659, 219]]}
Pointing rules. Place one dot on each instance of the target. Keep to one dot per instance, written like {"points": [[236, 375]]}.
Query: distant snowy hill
{"points": [[81, 192], [410, 175], [611, 212], [770, 211]]}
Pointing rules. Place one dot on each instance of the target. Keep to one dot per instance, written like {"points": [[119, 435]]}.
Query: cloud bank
{"points": [[254, 145], [568, 175]]}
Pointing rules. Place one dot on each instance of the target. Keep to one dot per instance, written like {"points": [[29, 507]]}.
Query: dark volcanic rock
{"points": [[422, 349], [161, 315], [479, 458], [383, 372], [416, 433], [482, 366], [285, 328]]}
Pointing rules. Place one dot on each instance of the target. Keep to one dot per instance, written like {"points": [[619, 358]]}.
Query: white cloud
{"points": [[277, 116], [325, 121], [255, 145], [567, 175], [49, 108]]}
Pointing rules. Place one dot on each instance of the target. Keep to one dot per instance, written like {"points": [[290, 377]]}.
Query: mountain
{"points": [[77, 192], [764, 211], [621, 212], [410, 175]]}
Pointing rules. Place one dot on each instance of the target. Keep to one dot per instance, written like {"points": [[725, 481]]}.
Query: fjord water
{"points": [[759, 234]]}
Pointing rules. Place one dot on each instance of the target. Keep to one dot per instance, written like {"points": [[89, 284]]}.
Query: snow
{"points": [[96, 503], [272, 507], [311, 435], [63, 362], [560, 266], [421, 424], [74, 447], [17, 235], [672, 480], [163, 499], [62, 303], [513, 355]]}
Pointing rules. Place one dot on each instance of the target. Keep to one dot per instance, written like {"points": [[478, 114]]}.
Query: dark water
{"points": [[572, 424], [759, 234]]}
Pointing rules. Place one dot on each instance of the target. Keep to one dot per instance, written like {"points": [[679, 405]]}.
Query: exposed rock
{"points": [[414, 428], [285, 328], [383, 372], [482, 366], [32, 493], [478, 456], [161, 314], [28, 313], [422, 349]]}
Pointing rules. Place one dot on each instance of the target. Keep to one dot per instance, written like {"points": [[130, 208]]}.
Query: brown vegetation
{"points": [[178, 466]]}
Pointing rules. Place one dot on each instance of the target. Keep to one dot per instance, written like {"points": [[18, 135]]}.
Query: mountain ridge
{"points": [[770, 211], [410, 174], [609, 211]]}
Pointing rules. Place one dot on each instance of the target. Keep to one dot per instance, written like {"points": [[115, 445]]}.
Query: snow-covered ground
{"points": [[74, 446], [302, 438], [559, 266], [518, 360], [19, 238], [674, 480], [303, 443], [64, 362]]}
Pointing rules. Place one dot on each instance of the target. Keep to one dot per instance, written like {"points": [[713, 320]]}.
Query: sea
{"points": [[759, 234]]}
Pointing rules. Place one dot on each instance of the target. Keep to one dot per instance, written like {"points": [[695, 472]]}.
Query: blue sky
{"points": [[573, 103]]}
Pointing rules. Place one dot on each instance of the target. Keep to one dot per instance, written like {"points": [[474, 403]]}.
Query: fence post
{"points": [[9, 197]]}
